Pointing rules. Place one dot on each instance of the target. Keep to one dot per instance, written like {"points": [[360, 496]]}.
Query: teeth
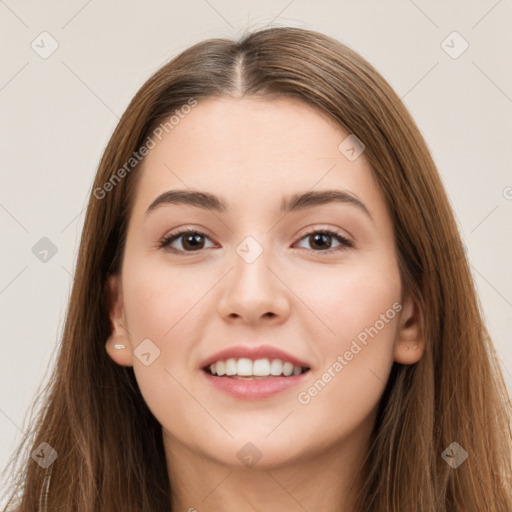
{"points": [[276, 367], [287, 369], [231, 367], [245, 367], [261, 367]]}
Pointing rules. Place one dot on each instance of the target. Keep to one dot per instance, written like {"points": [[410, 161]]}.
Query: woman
{"points": [[272, 308]]}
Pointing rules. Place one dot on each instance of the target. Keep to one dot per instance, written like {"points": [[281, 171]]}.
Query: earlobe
{"points": [[118, 344], [410, 343]]}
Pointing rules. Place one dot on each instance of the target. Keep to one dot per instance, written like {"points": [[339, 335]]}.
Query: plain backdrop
{"points": [[59, 109]]}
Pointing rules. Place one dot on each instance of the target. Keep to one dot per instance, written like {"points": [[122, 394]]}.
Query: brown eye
{"points": [[190, 241], [321, 240]]}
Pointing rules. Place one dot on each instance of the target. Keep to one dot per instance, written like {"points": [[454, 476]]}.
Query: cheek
{"points": [[359, 312], [348, 299], [160, 299], [161, 304]]}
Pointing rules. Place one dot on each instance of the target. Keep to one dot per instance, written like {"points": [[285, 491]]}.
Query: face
{"points": [[317, 280]]}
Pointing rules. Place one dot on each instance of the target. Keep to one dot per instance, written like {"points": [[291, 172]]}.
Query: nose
{"points": [[254, 291]]}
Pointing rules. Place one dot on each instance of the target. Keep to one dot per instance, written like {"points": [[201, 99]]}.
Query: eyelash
{"points": [[345, 243]]}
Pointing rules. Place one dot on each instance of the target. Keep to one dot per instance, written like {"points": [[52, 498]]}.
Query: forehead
{"points": [[248, 148], [242, 127]]}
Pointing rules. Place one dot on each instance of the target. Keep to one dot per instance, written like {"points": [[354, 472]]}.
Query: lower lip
{"points": [[255, 389]]}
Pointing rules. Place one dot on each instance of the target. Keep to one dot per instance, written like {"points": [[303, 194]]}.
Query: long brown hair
{"points": [[109, 445]]}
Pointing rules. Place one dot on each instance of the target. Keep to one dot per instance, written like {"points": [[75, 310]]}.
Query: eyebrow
{"points": [[295, 202]]}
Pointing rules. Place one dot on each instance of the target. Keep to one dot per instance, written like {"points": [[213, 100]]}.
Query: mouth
{"points": [[254, 372], [259, 369], [254, 377], [240, 379]]}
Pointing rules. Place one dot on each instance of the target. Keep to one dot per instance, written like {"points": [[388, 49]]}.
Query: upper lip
{"points": [[253, 353]]}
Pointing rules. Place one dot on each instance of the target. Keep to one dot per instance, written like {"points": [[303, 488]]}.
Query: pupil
{"points": [[319, 237], [193, 240]]}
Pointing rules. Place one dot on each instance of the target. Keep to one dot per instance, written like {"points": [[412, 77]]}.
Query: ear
{"points": [[118, 344], [410, 343]]}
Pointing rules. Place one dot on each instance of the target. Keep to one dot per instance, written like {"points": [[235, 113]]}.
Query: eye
{"points": [[324, 237], [191, 241], [194, 241]]}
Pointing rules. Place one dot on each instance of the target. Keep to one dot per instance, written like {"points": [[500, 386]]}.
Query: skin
{"points": [[253, 152]]}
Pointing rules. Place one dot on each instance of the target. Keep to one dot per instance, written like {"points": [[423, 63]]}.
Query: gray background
{"points": [[58, 112]]}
